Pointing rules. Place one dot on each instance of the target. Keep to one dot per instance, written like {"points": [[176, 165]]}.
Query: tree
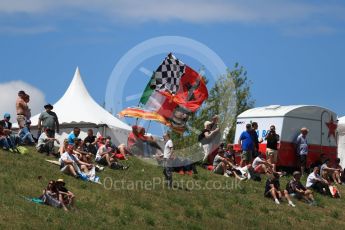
{"points": [[242, 94], [229, 97]]}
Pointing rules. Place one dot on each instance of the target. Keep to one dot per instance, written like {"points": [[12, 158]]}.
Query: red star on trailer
{"points": [[332, 127]]}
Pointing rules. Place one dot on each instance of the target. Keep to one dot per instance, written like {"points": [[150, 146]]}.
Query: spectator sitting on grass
{"points": [[81, 151], [329, 173], [338, 176], [73, 135], [90, 142], [317, 183], [69, 163], [220, 164], [230, 153], [272, 190], [63, 147], [296, 189], [262, 166], [45, 143], [103, 154], [4, 144], [25, 134], [67, 197], [224, 167], [52, 197], [11, 137]]}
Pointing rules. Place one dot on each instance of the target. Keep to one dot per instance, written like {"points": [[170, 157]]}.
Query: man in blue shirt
{"points": [[247, 146], [72, 136]]}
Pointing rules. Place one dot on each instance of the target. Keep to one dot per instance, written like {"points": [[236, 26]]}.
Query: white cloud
{"points": [[26, 30], [306, 31], [8, 95], [198, 11]]}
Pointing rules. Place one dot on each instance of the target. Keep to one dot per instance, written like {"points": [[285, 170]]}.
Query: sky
{"points": [[293, 51]]}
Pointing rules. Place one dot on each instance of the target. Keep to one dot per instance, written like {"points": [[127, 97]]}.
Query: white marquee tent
{"points": [[341, 140], [77, 108]]}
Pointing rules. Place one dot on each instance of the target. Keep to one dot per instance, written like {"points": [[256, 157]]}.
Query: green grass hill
{"points": [[137, 199]]}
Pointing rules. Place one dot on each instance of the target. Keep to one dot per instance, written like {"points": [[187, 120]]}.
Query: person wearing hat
{"points": [[22, 108], [296, 189], [302, 148], [66, 196], [48, 119], [205, 138]]}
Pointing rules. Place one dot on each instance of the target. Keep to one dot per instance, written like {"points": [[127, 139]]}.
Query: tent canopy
{"points": [[77, 107]]}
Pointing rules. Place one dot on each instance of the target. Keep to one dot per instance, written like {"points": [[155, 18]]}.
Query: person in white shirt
{"points": [[103, 153], [45, 143], [168, 156], [316, 182], [261, 166], [69, 163]]}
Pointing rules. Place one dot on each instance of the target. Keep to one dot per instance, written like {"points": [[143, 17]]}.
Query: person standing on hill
{"points": [[302, 148], [22, 109], [272, 139], [255, 139], [48, 120], [247, 145], [167, 159]]}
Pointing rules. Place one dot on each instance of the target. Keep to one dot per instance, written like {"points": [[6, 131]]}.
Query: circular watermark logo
{"points": [[117, 97]]}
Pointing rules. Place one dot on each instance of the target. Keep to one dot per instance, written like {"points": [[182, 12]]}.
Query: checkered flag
{"points": [[167, 76]]}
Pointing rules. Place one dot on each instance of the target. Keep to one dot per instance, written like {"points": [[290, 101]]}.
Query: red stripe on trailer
{"points": [[287, 156]]}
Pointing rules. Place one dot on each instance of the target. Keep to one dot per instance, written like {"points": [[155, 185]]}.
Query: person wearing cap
{"points": [[22, 108], [69, 163], [205, 138], [302, 148], [296, 189], [4, 143], [25, 134], [272, 139], [247, 145], [45, 143], [48, 119], [11, 137]]}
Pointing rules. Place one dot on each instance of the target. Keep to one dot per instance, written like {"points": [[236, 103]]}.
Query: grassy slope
{"points": [[100, 208]]}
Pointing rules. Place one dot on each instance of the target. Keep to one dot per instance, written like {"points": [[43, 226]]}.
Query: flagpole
{"points": [[148, 127]]}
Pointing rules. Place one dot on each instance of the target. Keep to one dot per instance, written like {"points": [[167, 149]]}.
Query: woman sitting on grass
{"points": [[52, 197], [272, 190]]}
